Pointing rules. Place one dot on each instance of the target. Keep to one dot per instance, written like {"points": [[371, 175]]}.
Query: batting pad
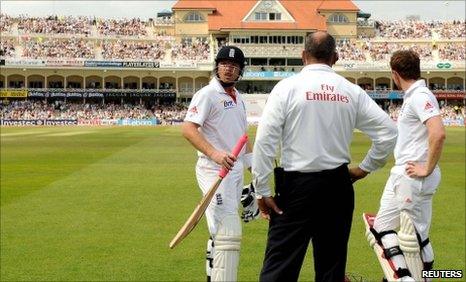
{"points": [[387, 265], [410, 246], [227, 244], [209, 257]]}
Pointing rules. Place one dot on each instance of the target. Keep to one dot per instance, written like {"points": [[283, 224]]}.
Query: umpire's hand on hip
{"points": [[357, 173], [268, 205]]}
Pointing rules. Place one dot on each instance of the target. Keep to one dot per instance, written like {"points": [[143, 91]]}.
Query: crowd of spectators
{"points": [[55, 25], [406, 29], [58, 48], [7, 48], [124, 27], [197, 50], [424, 51], [381, 51], [393, 111], [61, 110], [449, 112], [452, 112], [170, 114], [453, 51], [6, 23], [167, 114], [403, 29], [154, 43], [134, 50], [30, 109], [349, 51], [454, 29]]}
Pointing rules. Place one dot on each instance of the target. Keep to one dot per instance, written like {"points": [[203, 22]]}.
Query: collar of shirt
{"points": [[417, 84], [216, 84], [232, 94], [319, 67]]}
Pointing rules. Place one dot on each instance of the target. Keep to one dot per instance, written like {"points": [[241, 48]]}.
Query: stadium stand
{"points": [[349, 51], [131, 27], [60, 110], [402, 35], [454, 29], [197, 50], [381, 51], [69, 66], [165, 114], [57, 48], [453, 51], [6, 22], [54, 25], [7, 48], [420, 29], [134, 50]]}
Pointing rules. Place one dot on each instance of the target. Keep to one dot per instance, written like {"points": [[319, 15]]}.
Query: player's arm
{"points": [[374, 122], [436, 137], [190, 131], [426, 108]]}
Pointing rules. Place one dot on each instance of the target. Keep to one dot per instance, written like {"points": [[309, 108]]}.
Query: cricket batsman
{"points": [[215, 120], [407, 198]]}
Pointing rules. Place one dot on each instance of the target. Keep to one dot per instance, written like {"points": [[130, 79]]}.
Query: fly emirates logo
{"points": [[326, 94]]}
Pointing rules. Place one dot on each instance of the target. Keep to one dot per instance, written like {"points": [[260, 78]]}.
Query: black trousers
{"points": [[316, 206]]}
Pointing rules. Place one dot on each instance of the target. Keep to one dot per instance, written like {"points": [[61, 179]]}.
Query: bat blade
{"points": [[196, 215]]}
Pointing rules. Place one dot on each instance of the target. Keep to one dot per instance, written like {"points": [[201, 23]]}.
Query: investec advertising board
{"points": [[35, 122], [75, 122]]}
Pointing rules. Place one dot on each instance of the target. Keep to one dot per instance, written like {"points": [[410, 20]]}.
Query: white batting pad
{"points": [[410, 246], [227, 244], [209, 257]]}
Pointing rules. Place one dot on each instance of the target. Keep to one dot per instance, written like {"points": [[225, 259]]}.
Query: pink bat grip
{"points": [[238, 147]]}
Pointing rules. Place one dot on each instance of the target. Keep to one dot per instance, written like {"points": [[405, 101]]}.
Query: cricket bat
{"points": [[205, 201]]}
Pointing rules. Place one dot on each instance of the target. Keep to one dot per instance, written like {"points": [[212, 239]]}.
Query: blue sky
{"points": [[388, 10]]}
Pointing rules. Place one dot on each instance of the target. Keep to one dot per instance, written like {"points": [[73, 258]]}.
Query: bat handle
{"points": [[238, 147]]}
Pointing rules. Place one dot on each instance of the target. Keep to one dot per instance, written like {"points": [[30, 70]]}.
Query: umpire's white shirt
{"points": [[419, 104], [314, 113], [222, 120]]}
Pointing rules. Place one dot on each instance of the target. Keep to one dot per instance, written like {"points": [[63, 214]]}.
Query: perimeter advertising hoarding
{"points": [[74, 122], [450, 94], [122, 64], [97, 93], [268, 74], [34, 122], [12, 93]]}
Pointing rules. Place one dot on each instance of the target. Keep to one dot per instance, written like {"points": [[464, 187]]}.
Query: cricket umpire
{"points": [[313, 115]]}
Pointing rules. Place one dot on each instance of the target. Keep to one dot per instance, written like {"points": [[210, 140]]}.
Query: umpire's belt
{"points": [[323, 173]]}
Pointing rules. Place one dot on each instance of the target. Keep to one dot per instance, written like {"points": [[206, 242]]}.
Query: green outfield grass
{"points": [[85, 203]]}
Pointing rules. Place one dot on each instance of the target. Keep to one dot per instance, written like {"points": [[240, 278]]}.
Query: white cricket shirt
{"points": [[221, 120], [419, 104], [314, 114]]}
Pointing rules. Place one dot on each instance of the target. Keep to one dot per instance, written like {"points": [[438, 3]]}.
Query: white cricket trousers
{"points": [[413, 195], [228, 196]]}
